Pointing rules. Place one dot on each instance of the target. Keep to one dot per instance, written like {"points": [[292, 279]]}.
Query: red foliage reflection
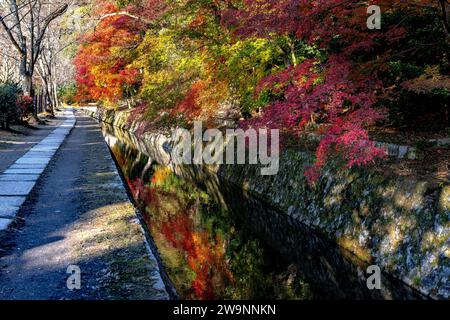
{"points": [[203, 251]]}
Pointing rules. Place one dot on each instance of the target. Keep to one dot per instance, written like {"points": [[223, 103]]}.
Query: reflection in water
{"points": [[246, 251], [206, 254]]}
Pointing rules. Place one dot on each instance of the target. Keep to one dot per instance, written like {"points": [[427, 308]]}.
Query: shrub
{"points": [[68, 93], [8, 107], [24, 106], [14, 106]]}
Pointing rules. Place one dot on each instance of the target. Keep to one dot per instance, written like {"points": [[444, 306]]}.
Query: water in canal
{"points": [[240, 251]]}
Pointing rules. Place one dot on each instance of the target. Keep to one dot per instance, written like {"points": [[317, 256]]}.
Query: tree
{"points": [[339, 89], [54, 65], [295, 65], [25, 24], [103, 60]]}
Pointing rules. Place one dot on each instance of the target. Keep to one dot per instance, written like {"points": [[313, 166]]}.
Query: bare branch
{"points": [[11, 36], [52, 16]]}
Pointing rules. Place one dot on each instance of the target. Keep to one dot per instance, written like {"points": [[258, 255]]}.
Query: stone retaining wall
{"points": [[397, 223]]}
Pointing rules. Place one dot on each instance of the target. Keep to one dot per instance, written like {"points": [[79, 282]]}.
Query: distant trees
{"points": [[25, 24], [9, 73], [50, 66]]}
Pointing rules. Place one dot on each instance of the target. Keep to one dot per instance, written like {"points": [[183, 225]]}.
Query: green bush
{"points": [[8, 106], [67, 93]]}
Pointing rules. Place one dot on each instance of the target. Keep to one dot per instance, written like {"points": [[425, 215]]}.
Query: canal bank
{"points": [[399, 224]]}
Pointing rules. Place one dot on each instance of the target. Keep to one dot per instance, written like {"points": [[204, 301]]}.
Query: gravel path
{"points": [[78, 214]]}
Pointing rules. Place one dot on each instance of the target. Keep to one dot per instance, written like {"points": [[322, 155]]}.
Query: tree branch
{"points": [[11, 36], [52, 16], [122, 13]]}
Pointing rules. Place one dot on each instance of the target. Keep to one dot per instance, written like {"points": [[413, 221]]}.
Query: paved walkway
{"points": [[14, 145], [17, 182], [79, 214]]}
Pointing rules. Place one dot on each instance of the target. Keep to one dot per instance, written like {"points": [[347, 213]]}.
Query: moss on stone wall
{"points": [[400, 224]]}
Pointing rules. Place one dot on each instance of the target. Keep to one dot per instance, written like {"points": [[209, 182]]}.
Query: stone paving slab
{"points": [[18, 177], [11, 201], [50, 148], [41, 151], [28, 166], [4, 223], [59, 136], [25, 171], [44, 147], [9, 212], [16, 188], [60, 131], [9, 206], [40, 154], [48, 144], [31, 160], [52, 141]]}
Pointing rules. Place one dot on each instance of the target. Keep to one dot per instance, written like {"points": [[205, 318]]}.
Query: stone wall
{"points": [[397, 223]]}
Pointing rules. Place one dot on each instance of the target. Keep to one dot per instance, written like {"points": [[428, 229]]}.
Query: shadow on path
{"points": [[78, 214]]}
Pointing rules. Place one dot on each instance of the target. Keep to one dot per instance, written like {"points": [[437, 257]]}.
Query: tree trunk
{"points": [[26, 77], [27, 83], [48, 97], [55, 95]]}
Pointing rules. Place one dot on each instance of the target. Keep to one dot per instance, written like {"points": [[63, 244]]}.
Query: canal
{"points": [[219, 243]]}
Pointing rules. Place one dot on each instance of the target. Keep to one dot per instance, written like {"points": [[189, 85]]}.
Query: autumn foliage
{"points": [[297, 65], [103, 71], [25, 105]]}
